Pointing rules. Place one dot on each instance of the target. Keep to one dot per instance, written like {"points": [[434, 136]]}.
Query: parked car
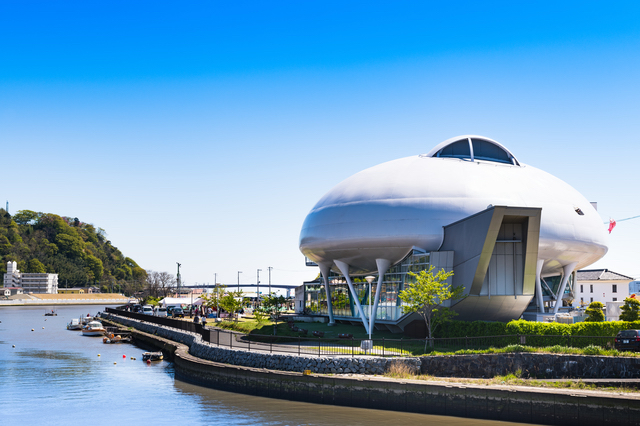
{"points": [[147, 310], [137, 308], [161, 311], [177, 313], [628, 340]]}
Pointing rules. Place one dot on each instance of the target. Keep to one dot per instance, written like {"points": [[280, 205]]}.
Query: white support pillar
{"points": [[344, 268], [324, 270], [567, 270], [539, 296], [383, 265]]}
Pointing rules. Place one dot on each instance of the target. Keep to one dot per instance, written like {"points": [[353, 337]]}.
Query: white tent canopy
{"points": [[178, 301]]}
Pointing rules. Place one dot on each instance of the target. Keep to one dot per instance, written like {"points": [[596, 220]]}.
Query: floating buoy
{"points": [[98, 354], [148, 361], [43, 328], [132, 359], [114, 363], [14, 346], [124, 356], [32, 329]]}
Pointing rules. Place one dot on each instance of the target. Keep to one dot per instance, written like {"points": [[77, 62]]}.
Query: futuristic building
{"points": [[508, 231]]}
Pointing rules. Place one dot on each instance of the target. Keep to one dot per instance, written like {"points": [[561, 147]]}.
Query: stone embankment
{"points": [[281, 362]]}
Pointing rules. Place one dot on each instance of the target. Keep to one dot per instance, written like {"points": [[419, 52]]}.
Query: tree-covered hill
{"points": [[78, 252]]}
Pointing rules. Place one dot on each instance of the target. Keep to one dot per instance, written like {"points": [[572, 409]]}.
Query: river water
{"points": [[58, 377]]}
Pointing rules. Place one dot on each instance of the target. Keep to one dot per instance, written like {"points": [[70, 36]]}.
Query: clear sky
{"points": [[204, 132]]}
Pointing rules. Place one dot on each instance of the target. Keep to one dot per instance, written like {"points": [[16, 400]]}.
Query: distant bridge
{"points": [[232, 286]]}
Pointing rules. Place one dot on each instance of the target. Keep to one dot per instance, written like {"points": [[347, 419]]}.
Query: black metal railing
{"points": [[321, 346]]}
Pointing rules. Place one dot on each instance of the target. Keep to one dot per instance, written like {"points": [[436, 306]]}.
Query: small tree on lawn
{"points": [[426, 296], [231, 302], [212, 300], [594, 312], [630, 309]]}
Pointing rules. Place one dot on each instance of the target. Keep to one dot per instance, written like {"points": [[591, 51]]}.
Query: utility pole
{"points": [[270, 268], [178, 278], [258, 292], [239, 272], [215, 283]]}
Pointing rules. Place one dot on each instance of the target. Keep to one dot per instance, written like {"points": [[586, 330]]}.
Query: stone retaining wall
{"points": [[281, 362], [540, 366]]}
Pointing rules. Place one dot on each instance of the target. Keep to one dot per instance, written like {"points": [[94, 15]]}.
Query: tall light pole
{"points": [[215, 284], [178, 278], [270, 268], [258, 292], [239, 272]]}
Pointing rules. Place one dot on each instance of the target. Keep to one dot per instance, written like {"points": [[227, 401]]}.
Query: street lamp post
{"points": [[215, 284], [258, 292], [269, 268], [239, 272]]}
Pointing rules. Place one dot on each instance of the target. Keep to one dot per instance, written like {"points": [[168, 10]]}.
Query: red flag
{"points": [[612, 224]]}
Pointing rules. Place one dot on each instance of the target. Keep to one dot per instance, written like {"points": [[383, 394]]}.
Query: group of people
{"points": [[200, 313]]}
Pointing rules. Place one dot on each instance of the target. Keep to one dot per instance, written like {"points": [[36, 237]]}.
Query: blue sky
{"points": [[204, 132]]}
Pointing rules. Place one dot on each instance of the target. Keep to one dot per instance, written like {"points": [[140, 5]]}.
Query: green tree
{"points": [[630, 309], [35, 266], [26, 217], [212, 300], [273, 305], [594, 312], [69, 245], [95, 266], [231, 302], [426, 297]]}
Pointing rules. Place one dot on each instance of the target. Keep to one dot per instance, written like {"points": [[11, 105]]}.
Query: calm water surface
{"points": [[55, 377]]}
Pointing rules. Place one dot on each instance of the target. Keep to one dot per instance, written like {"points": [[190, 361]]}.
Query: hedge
{"points": [[484, 328]]}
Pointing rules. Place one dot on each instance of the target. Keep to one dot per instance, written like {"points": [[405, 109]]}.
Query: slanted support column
{"points": [[539, 296], [567, 270], [383, 265], [324, 270], [344, 268]]}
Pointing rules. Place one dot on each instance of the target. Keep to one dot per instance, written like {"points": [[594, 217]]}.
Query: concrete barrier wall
{"points": [[538, 406]]}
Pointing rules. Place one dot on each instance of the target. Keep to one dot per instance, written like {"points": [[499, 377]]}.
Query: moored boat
{"points": [[74, 324], [152, 356], [94, 328]]}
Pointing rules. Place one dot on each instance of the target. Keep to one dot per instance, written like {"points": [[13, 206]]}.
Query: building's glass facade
{"points": [[389, 305]]}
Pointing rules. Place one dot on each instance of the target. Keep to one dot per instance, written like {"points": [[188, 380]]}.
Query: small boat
{"points": [[51, 314], [94, 328], [152, 356], [116, 339], [74, 324]]}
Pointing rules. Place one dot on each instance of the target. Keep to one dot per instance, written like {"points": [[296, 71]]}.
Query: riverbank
{"points": [[67, 299], [493, 402]]}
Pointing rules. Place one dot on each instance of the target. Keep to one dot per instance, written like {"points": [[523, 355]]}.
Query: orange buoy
{"points": [[124, 356]]}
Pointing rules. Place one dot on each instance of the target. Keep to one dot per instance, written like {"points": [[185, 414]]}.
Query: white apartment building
{"points": [[30, 282], [600, 285]]}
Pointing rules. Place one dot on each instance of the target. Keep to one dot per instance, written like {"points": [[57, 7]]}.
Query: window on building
{"points": [[581, 288], [614, 288], [590, 288], [592, 299], [582, 300], [615, 299], [459, 149]]}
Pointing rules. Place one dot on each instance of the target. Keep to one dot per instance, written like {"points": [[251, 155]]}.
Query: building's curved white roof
{"points": [[386, 210]]}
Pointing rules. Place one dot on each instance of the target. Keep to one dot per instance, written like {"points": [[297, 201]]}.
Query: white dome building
{"points": [[507, 230]]}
